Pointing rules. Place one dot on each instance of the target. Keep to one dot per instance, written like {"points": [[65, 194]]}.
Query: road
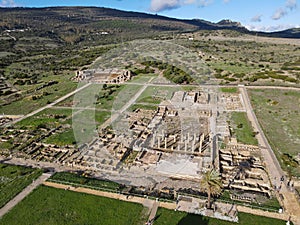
{"points": [[49, 105], [12, 203], [126, 106], [289, 201]]}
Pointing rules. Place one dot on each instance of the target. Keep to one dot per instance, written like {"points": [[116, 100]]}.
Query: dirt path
{"points": [[12, 203]]}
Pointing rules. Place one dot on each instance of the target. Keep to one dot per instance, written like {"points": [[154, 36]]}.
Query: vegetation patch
{"points": [[229, 89], [13, 179], [47, 205], [81, 179], [141, 106], [62, 139], [242, 128], [279, 117]]}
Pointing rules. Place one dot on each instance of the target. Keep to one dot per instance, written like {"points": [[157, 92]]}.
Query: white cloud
{"points": [[187, 2], [158, 5], [279, 14], [271, 28], [291, 4], [283, 11], [8, 3], [256, 18], [226, 1], [162, 5], [204, 3]]}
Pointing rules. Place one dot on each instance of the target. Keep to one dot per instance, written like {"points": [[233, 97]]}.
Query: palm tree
{"points": [[211, 184]]}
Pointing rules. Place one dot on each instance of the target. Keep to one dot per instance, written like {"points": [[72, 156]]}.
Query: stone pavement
{"points": [[152, 215]]}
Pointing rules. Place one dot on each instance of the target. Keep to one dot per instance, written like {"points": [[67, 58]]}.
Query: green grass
{"points": [[154, 94], [142, 78], [27, 104], [229, 89], [150, 100], [170, 217], [278, 112], [101, 116], [107, 96], [46, 117], [243, 129], [141, 106], [13, 179], [62, 139], [50, 206], [76, 179], [236, 68]]}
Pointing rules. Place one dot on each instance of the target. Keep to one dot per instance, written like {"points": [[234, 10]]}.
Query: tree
{"points": [[211, 184]]}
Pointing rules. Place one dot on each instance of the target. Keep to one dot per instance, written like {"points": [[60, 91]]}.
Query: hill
{"points": [[77, 24]]}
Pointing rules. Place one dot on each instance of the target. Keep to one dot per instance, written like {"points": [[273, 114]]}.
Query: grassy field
{"points": [[278, 112], [229, 89], [125, 95], [43, 97], [142, 106], [62, 139], [14, 179], [51, 206], [170, 217], [242, 128], [81, 180], [49, 117], [154, 95]]}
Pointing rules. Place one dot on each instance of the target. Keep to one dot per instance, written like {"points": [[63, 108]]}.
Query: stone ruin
{"points": [[109, 76]]}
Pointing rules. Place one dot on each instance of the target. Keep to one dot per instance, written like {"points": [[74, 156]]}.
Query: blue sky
{"points": [[264, 15]]}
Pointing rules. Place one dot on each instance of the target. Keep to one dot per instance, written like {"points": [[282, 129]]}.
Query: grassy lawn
{"points": [[278, 112], [141, 106], [142, 78], [27, 104], [127, 93], [243, 129], [85, 123], [49, 117], [170, 217], [107, 96], [81, 180], [229, 89], [155, 95], [62, 139], [51, 206], [13, 179], [150, 100]]}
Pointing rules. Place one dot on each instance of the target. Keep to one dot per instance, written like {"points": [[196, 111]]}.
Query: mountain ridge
{"points": [[81, 14]]}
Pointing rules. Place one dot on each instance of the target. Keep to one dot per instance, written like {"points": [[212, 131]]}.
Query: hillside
{"points": [[77, 24], [42, 45]]}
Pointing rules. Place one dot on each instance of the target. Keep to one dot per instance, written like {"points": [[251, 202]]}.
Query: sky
{"points": [[261, 15]]}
